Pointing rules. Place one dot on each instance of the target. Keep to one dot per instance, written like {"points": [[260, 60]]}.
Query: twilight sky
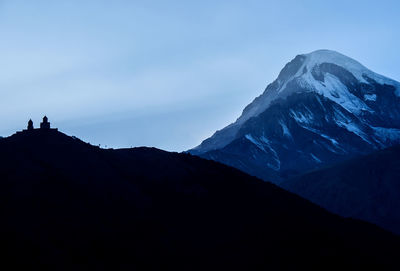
{"points": [[169, 73]]}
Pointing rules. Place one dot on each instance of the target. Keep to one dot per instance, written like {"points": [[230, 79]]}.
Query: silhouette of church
{"points": [[44, 125]]}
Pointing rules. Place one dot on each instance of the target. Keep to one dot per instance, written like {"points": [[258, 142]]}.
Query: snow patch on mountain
{"points": [[301, 117], [340, 117], [353, 128], [370, 97], [285, 129], [315, 131], [391, 134], [255, 142], [316, 158], [277, 164], [261, 144], [333, 89]]}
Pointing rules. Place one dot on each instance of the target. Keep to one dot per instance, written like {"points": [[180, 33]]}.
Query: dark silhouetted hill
{"points": [[68, 205], [366, 188]]}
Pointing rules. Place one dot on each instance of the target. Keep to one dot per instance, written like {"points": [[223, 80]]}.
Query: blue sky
{"points": [[169, 73]]}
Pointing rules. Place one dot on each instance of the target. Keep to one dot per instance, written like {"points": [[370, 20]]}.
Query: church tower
{"points": [[45, 124], [30, 125]]}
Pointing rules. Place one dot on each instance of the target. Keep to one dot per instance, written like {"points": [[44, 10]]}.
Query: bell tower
{"points": [[45, 124], [30, 125]]}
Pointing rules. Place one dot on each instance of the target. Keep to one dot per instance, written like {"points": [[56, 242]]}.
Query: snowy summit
{"points": [[323, 107]]}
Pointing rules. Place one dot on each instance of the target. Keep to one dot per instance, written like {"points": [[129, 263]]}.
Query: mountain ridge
{"points": [[365, 187], [68, 205]]}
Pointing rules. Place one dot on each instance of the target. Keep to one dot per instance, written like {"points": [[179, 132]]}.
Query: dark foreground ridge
{"points": [[68, 205], [366, 187]]}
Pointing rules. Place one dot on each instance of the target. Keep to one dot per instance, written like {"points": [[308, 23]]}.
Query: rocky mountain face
{"points": [[323, 108], [67, 205]]}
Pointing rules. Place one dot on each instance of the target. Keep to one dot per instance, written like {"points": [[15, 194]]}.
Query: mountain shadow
{"points": [[68, 205], [366, 187]]}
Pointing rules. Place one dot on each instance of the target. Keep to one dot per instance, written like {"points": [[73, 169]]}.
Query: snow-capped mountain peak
{"points": [[328, 56], [306, 70], [359, 71], [324, 106]]}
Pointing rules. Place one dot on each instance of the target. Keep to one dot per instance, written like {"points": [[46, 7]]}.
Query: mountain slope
{"points": [[68, 205], [366, 188], [324, 107]]}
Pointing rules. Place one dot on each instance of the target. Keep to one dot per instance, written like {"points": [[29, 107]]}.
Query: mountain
{"points": [[366, 188], [67, 205], [323, 108]]}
